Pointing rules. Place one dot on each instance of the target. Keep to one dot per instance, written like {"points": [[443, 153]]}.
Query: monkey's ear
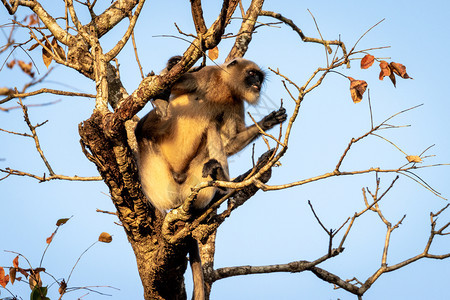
{"points": [[186, 84]]}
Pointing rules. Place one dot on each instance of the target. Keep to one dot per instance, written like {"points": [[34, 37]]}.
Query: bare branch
{"points": [[45, 90], [244, 35], [120, 44], [49, 178], [35, 137]]}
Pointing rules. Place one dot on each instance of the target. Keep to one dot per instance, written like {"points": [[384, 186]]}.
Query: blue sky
{"points": [[273, 227]]}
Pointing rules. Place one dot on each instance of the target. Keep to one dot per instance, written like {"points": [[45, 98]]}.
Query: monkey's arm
{"points": [[245, 137]]}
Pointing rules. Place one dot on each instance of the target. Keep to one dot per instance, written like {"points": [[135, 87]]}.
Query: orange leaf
{"points": [[16, 262], [399, 69], [11, 64], [367, 61], [357, 89], [213, 53], [47, 56], [385, 70], [3, 279], [105, 237], [26, 68], [414, 158], [33, 20], [50, 238]]}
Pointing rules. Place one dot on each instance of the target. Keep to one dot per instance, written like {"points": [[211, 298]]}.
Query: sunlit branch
{"points": [[49, 178]]}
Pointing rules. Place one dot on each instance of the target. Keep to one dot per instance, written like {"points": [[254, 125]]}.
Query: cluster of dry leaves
{"points": [[358, 87], [25, 67], [33, 274]]}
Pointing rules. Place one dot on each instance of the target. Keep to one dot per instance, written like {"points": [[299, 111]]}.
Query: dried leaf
{"points": [[105, 237], [62, 287], [26, 68], [58, 49], [392, 78], [62, 221], [16, 262], [12, 275], [213, 53], [50, 238], [33, 47], [4, 279], [4, 91], [414, 158], [24, 272], [385, 69], [33, 20], [399, 69], [11, 64], [35, 280], [367, 61], [47, 56], [357, 89]]}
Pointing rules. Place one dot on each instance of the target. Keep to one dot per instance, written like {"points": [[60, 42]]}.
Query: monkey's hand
{"points": [[213, 169], [272, 119]]}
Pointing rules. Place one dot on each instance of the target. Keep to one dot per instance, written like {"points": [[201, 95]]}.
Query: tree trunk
{"points": [[161, 265]]}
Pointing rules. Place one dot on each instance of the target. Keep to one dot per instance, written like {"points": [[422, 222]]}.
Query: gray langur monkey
{"points": [[187, 140]]}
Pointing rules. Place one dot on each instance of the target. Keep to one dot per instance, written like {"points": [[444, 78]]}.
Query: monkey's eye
{"points": [[252, 73]]}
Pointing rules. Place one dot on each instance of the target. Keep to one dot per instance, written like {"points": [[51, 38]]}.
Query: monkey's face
{"points": [[254, 79], [246, 78]]}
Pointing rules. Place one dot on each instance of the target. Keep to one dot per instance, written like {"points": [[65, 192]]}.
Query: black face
{"points": [[254, 79]]}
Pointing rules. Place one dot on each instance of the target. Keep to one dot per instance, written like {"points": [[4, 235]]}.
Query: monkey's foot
{"points": [[213, 169]]}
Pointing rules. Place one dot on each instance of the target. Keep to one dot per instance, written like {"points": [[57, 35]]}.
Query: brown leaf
{"points": [[58, 49], [4, 91], [16, 262], [357, 89], [367, 61], [414, 158], [399, 69], [62, 221], [50, 238], [33, 47], [4, 279], [213, 53], [26, 68], [37, 270], [33, 20], [11, 64], [385, 70], [105, 237], [47, 56], [62, 287], [12, 275], [24, 272], [35, 280], [392, 78]]}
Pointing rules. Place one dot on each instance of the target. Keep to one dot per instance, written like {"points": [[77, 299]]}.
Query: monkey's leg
{"points": [[156, 179]]}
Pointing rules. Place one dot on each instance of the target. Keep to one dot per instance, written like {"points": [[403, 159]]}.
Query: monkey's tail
{"points": [[197, 271]]}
